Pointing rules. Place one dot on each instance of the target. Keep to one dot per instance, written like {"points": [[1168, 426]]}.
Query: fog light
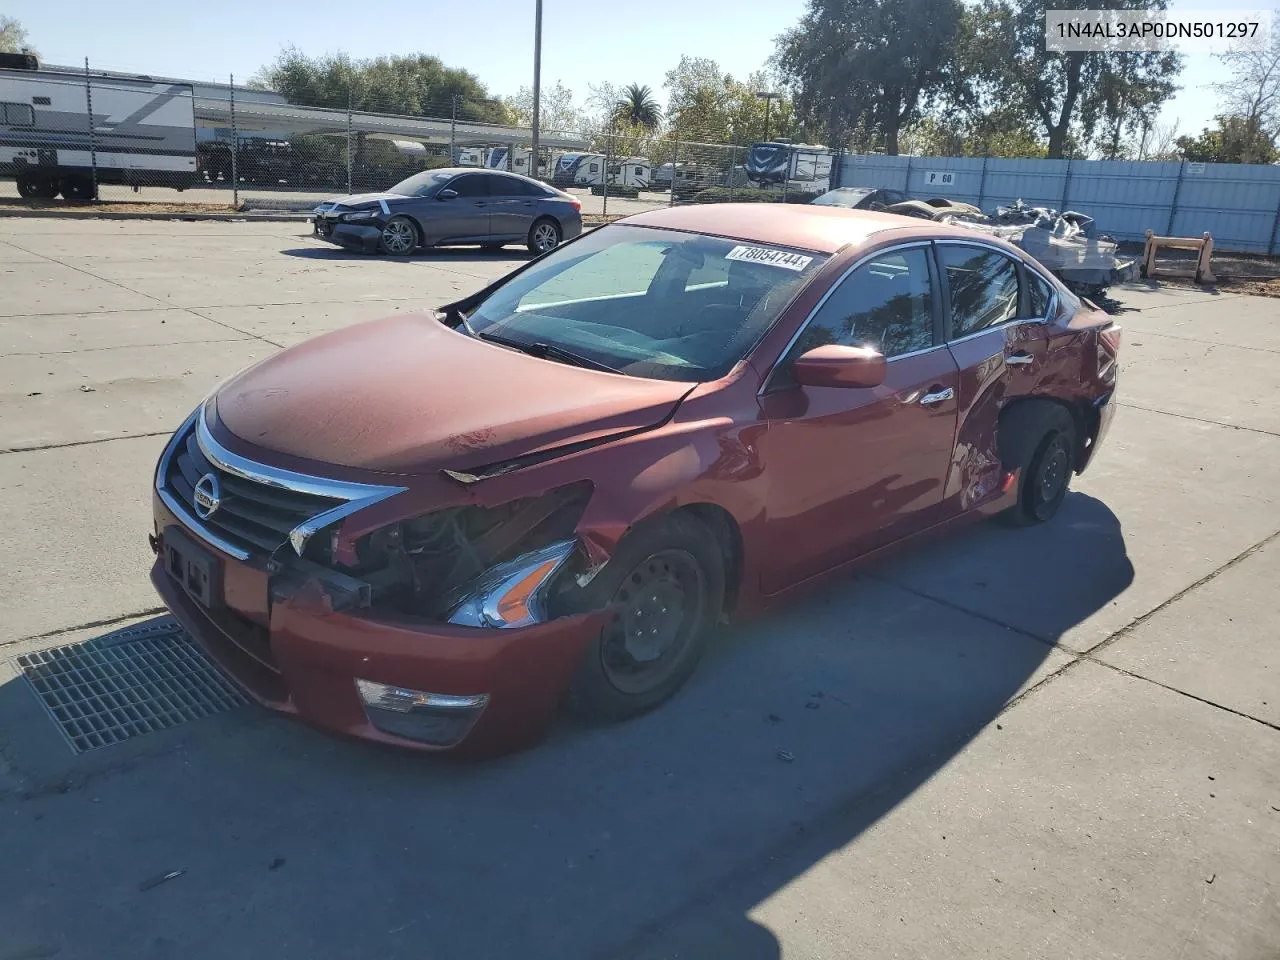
{"points": [[441, 719]]}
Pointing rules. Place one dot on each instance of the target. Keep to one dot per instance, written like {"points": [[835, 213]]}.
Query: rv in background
{"points": [[143, 131], [801, 166], [632, 172], [513, 159], [578, 169]]}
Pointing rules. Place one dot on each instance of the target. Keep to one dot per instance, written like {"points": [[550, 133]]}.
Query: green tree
{"points": [[1253, 92], [1003, 62], [637, 108], [869, 63], [1235, 140], [558, 111], [709, 106], [418, 85], [13, 37]]}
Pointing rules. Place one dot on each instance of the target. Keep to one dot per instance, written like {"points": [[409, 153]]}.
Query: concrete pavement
{"points": [[1059, 742]]}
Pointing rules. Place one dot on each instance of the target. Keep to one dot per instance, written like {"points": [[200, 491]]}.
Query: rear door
{"points": [[852, 469], [465, 217], [512, 207], [998, 321]]}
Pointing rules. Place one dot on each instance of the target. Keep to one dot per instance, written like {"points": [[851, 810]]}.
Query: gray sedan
{"points": [[456, 205]]}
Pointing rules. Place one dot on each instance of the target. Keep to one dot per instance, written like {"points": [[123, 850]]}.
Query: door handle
{"points": [[1019, 359], [936, 396]]}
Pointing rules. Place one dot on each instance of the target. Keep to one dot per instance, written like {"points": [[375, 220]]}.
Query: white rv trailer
{"points": [[143, 131], [632, 172]]}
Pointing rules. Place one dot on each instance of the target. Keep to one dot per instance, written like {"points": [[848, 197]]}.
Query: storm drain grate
{"points": [[130, 682]]}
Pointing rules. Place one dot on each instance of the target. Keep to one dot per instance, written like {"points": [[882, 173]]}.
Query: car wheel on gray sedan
{"points": [[399, 237], [544, 236], [663, 592]]}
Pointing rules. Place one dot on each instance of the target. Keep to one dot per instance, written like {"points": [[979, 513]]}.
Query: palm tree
{"points": [[637, 107]]}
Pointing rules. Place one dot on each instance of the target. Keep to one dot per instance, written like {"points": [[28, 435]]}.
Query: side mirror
{"points": [[446, 194], [835, 365]]}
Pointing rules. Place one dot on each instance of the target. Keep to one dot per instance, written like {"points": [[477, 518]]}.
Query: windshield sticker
{"points": [[774, 258]]}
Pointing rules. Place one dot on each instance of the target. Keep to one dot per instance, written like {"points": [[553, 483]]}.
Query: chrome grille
{"points": [[259, 508], [252, 515]]}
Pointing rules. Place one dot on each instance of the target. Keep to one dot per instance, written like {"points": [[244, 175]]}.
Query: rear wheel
{"points": [[1038, 440], [663, 591], [399, 237], [544, 235], [77, 188]]}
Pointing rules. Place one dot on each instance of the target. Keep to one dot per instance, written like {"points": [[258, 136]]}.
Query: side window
{"points": [[472, 185], [890, 197], [983, 286], [1040, 294], [17, 115], [886, 303]]}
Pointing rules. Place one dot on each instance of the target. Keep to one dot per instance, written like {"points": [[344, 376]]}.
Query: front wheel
{"points": [[663, 591], [37, 188], [399, 237], [544, 236]]}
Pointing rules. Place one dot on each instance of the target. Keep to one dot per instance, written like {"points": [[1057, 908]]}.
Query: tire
{"points": [[544, 236], [1037, 438], [34, 187], [399, 237], [625, 671], [77, 188]]}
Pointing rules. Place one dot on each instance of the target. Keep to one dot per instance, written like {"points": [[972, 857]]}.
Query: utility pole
{"points": [[768, 97], [537, 83], [453, 132]]}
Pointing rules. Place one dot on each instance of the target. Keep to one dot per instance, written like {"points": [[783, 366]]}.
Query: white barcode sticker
{"points": [[774, 258]]}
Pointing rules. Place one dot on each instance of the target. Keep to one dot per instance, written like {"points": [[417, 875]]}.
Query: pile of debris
{"points": [[1066, 243]]}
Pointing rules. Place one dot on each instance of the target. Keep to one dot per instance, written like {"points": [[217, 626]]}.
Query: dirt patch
{"points": [[89, 208]]}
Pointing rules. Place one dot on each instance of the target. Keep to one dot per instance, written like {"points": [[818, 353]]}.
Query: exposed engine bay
{"points": [[428, 566]]}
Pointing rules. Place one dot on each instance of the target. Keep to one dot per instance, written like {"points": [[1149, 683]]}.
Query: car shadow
{"points": [[329, 253], [653, 838]]}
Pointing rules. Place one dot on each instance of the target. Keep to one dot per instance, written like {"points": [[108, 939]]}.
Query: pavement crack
{"points": [[1178, 690], [1185, 416], [952, 605], [36, 448], [109, 622], [1132, 625]]}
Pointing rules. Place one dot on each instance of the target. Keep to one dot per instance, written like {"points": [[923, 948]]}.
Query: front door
{"points": [[464, 218], [853, 469]]}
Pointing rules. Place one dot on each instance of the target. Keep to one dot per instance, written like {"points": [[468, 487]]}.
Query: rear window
{"points": [[650, 303]]}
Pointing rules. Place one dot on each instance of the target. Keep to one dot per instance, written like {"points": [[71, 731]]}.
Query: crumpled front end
{"points": [[439, 627]]}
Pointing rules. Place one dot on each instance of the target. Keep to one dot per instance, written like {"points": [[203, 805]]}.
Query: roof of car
{"points": [[822, 229]]}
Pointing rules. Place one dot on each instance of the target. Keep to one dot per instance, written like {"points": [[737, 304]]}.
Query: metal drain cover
{"points": [[126, 683]]}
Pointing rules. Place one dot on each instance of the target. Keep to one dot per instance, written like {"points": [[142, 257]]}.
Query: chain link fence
{"points": [[230, 145]]}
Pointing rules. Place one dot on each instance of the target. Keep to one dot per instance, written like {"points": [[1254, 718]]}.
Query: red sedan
{"points": [[435, 530]]}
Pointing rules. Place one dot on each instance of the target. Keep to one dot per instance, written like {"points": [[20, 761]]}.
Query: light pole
{"points": [[537, 84], [767, 97]]}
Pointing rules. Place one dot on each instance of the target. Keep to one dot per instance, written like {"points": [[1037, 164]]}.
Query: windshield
{"points": [[842, 197], [421, 184], [649, 303]]}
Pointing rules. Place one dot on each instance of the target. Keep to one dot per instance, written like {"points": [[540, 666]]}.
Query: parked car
{"points": [[452, 206], [434, 530], [859, 198]]}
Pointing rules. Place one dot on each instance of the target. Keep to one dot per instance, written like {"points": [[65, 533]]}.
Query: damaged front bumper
{"points": [[302, 645]]}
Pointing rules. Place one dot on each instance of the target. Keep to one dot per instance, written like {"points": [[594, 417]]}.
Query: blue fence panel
{"points": [[1238, 203]]}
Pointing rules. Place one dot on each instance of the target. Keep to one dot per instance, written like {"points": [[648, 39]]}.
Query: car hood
{"points": [[409, 395], [356, 199]]}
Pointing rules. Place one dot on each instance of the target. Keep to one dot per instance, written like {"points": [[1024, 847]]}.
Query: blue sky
{"points": [[635, 43]]}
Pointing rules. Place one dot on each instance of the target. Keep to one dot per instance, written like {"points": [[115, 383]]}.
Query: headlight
{"points": [[360, 215], [512, 594]]}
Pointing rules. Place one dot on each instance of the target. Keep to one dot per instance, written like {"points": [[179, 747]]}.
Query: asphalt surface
{"points": [[1061, 742]]}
